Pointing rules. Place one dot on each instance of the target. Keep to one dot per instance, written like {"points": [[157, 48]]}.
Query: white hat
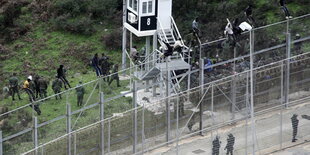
{"points": [[30, 77]]}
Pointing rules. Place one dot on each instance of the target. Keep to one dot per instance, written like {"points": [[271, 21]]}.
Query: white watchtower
{"points": [[153, 20], [143, 16]]}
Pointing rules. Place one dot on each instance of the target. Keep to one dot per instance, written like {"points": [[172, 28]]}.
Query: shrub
{"points": [[113, 40], [81, 25]]}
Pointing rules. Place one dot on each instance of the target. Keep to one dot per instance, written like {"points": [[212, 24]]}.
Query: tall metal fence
{"points": [[208, 111], [101, 125]]}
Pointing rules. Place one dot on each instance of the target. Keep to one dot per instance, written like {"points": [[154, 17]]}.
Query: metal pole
{"points": [[177, 124], [35, 134], [247, 112], [135, 125], [212, 107], [130, 47], [288, 54], [143, 136], [109, 135], [201, 93], [124, 41], [167, 102], [252, 89], [282, 100], [69, 127], [74, 144], [1, 145], [233, 88], [154, 87], [102, 123], [147, 54]]}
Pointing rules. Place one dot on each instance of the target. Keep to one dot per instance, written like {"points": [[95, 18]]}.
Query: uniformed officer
{"points": [[104, 64], [43, 85], [56, 86], [230, 144], [216, 144], [115, 75], [13, 86], [295, 122], [80, 91]]}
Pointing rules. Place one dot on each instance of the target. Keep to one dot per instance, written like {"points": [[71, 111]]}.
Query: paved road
{"points": [[267, 135]]}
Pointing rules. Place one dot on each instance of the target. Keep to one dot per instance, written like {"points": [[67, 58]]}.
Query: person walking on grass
{"points": [[13, 86], [95, 64], [80, 91], [56, 86], [61, 74]]}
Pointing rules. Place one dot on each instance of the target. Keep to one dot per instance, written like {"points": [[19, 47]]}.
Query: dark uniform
{"points": [[295, 122], [35, 86], [13, 81], [115, 75], [192, 121], [61, 75], [80, 91], [105, 66], [43, 85], [56, 86], [230, 144], [216, 144]]}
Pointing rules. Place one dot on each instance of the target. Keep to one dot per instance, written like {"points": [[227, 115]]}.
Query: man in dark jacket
{"points": [[216, 145], [95, 64], [62, 76], [285, 9], [230, 144], [248, 13], [80, 91]]}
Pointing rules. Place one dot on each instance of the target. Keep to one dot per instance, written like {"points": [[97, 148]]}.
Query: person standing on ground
{"points": [[295, 122], [13, 86], [285, 9], [43, 85], [26, 88], [95, 63], [134, 54], [115, 76], [103, 62], [230, 144], [62, 76], [80, 91], [216, 145], [56, 86]]}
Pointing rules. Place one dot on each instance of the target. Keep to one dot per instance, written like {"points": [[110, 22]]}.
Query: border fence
{"points": [[108, 124]]}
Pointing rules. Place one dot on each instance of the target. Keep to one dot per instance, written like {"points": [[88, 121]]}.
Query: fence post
{"points": [[233, 88], [288, 54], [177, 123], [69, 127], [201, 93], [282, 100], [35, 134], [134, 117], [124, 39], [1, 146], [167, 102], [252, 89], [102, 123], [154, 87], [74, 144], [109, 135], [143, 136]]}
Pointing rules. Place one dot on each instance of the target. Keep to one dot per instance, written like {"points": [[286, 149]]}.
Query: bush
{"points": [[80, 25], [113, 40]]}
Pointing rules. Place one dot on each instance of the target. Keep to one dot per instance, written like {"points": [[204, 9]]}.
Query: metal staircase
{"points": [[154, 64]]}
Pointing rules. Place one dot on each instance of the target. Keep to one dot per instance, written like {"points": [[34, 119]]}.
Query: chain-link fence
{"points": [[151, 124]]}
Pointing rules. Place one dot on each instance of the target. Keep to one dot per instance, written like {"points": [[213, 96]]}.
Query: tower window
{"points": [[133, 5], [148, 7]]}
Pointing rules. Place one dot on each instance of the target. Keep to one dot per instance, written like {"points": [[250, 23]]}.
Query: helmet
{"points": [[29, 77]]}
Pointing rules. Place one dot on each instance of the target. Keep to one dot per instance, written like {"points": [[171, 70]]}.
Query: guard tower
{"points": [[153, 19]]}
